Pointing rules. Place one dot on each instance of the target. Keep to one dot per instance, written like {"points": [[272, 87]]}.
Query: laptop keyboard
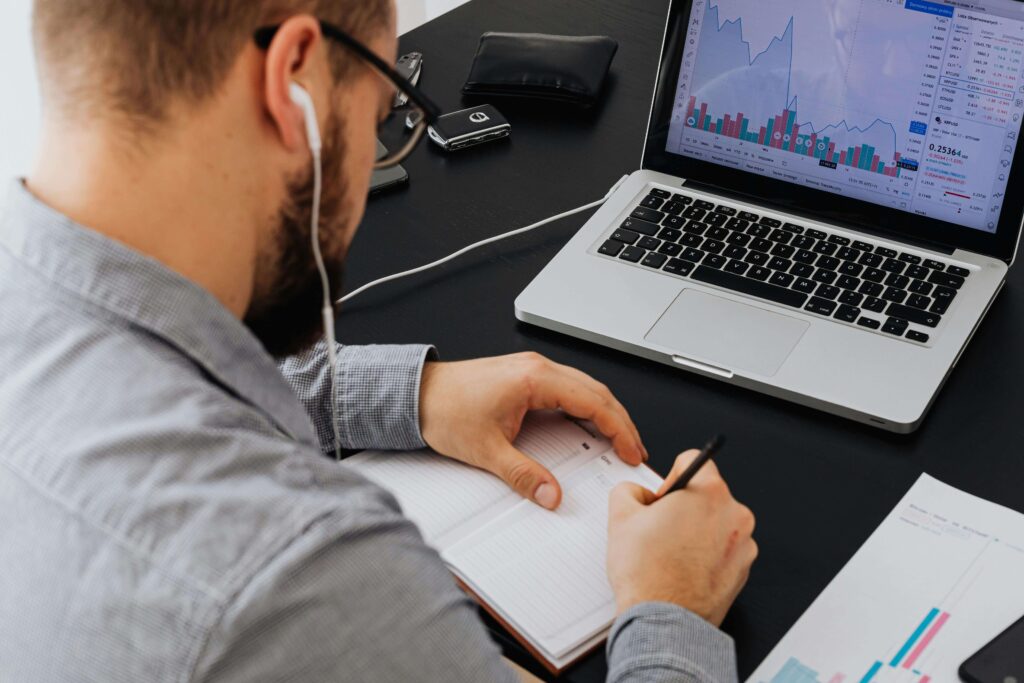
{"points": [[853, 282]]}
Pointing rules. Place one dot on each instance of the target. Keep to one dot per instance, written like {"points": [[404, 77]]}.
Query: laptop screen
{"points": [[911, 105]]}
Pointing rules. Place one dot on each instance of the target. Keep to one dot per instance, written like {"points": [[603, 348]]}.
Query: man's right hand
{"points": [[692, 548]]}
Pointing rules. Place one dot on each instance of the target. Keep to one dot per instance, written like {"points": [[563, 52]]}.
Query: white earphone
{"points": [[302, 99]]}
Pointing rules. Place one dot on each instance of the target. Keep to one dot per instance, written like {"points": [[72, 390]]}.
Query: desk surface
{"points": [[818, 484]]}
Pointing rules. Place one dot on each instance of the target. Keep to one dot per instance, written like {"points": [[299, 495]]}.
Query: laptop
{"points": [[830, 196]]}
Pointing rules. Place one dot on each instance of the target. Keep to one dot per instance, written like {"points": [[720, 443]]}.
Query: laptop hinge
{"points": [[871, 230]]}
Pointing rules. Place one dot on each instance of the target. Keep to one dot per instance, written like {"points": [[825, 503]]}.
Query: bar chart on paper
{"points": [[937, 580]]}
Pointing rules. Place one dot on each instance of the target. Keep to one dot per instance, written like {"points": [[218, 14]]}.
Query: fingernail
{"points": [[546, 496], [643, 449]]}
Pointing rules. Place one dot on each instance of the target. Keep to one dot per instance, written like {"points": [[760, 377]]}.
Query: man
{"points": [[168, 512]]}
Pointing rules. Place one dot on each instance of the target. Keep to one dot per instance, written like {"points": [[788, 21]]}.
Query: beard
{"points": [[285, 314]]}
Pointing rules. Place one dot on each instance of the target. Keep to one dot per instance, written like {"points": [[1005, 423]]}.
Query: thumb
{"points": [[526, 476], [626, 497]]}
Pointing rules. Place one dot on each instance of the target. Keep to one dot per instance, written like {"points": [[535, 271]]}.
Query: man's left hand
{"points": [[472, 411]]}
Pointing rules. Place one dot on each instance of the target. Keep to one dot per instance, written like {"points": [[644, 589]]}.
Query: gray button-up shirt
{"points": [[168, 514]]}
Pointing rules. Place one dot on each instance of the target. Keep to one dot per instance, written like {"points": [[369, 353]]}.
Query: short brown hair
{"points": [[134, 57]]}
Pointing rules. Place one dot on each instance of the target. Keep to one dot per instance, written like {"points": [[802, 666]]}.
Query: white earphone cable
{"points": [[481, 243]]}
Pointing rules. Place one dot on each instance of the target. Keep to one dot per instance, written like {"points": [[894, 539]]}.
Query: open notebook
{"points": [[542, 574]]}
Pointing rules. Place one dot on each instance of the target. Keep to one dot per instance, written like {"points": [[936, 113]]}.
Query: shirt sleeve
{"points": [[377, 394], [658, 641]]}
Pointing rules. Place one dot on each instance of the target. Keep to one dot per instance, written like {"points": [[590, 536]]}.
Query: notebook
{"points": [[540, 573]]}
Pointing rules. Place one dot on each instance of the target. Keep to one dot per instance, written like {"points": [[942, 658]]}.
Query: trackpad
{"points": [[727, 334]]}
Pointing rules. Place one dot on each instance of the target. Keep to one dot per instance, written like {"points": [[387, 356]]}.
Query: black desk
{"points": [[818, 484]]}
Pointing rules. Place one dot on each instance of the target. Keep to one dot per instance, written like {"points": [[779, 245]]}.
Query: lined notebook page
{"points": [[442, 496], [545, 571]]}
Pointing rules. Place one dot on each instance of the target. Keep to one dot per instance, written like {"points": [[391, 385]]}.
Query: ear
{"points": [[291, 58]]}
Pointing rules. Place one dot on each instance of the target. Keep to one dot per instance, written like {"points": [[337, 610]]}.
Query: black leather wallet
{"points": [[561, 68]]}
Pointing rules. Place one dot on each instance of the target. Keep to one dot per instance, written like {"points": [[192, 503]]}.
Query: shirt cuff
{"points": [[656, 638], [378, 392]]}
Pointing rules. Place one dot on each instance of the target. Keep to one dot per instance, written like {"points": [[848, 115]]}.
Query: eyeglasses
{"points": [[425, 112]]}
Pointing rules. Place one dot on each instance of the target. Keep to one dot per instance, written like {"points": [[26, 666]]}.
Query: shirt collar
{"points": [[150, 295]]}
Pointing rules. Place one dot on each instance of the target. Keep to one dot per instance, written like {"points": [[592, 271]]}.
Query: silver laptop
{"points": [[830, 195]]}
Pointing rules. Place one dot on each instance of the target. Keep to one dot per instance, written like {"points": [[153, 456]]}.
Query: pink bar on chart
{"points": [[831, 151], [739, 124], [703, 114], [875, 163], [838, 678], [777, 133], [842, 158], [856, 157], [925, 679], [897, 158], [813, 145], [761, 137], [793, 139], [916, 652], [690, 109], [727, 125]]}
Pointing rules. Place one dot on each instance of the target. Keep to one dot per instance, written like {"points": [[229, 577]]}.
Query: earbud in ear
{"points": [[303, 100]]}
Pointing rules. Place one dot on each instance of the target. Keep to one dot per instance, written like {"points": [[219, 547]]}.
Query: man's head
{"points": [[183, 82]]}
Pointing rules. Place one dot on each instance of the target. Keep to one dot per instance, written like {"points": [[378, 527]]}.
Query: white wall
{"points": [[19, 103]]}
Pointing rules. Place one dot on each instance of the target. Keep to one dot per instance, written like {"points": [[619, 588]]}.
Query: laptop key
{"points": [[757, 230], [726, 210], [828, 263], [957, 270], [940, 306], [648, 243], [885, 252], [820, 306], [695, 228], [670, 249], [674, 222], [893, 266], [771, 222], [696, 213], [663, 194], [716, 219], [655, 261], [918, 301], [625, 236], [803, 242], [738, 238], [679, 267], [848, 254], [869, 323], [895, 295], [759, 273], [793, 227], [633, 254], [714, 261], [804, 285], [781, 279], [863, 246], [826, 276], [848, 314], [917, 272], [701, 204], [910, 258], [670, 234], [840, 240], [780, 236], [652, 202], [851, 269], [895, 326], [737, 224], [689, 240], [779, 263], [713, 246], [871, 288], [804, 256], [682, 199], [898, 281], [802, 270], [874, 305], [747, 216], [848, 283], [870, 260], [851, 298], [920, 287], [637, 225], [913, 315], [914, 335], [826, 248], [673, 208], [761, 290], [649, 215], [736, 267], [827, 292], [758, 258], [946, 280], [934, 265], [720, 233], [783, 250], [695, 255], [761, 244], [734, 252], [611, 248], [873, 275], [816, 234]]}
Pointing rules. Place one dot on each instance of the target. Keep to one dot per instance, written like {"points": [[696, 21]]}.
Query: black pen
{"points": [[709, 451]]}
